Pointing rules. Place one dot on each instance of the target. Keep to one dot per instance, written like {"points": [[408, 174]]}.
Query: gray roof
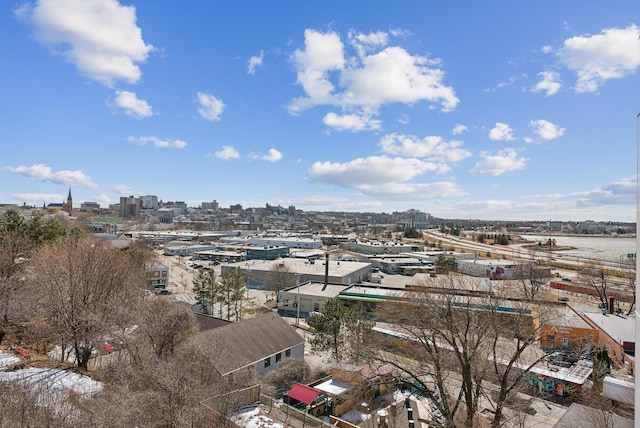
{"points": [[620, 328], [587, 417], [242, 344]]}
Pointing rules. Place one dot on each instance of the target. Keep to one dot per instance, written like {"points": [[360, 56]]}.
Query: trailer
{"points": [[618, 390]]}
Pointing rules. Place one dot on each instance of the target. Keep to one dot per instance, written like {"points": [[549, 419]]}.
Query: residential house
{"points": [[255, 345], [157, 274]]}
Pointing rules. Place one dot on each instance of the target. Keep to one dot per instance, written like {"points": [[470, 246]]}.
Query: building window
{"points": [[267, 362], [287, 353], [286, 302], [316, 307], [551, 338], [565, 342], [278, 357]]}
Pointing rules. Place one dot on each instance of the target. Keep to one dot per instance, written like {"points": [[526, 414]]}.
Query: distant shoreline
{"points": [[579, 235]]}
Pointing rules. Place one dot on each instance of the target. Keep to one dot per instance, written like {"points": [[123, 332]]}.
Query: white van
{"points": [[376, 278]]}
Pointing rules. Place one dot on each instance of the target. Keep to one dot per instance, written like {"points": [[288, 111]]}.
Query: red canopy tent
{"points": [[303, 393]]}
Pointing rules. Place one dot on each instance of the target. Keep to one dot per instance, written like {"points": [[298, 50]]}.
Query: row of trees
{"points": [[226, 291]]}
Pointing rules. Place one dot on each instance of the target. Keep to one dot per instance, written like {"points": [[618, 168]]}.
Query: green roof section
{"points": [[108, 219]]}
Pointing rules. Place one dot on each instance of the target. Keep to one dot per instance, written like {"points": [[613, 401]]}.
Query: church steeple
{"points": [[68, 205]]}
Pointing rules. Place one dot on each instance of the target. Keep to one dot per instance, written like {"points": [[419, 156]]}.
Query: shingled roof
{"points": [[242, 344]]}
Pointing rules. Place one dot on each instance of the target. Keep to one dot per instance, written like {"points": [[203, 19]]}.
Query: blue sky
{"points": [[491, 110]]}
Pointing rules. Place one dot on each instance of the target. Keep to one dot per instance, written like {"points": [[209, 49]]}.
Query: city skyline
{"points": [[494, 111]]}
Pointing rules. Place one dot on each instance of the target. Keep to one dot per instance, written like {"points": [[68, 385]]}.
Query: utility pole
{"points": [[298, 301]]}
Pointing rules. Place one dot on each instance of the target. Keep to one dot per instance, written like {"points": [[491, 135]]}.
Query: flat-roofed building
{"points": [[378, 247], [310, 297], [339, 272]]}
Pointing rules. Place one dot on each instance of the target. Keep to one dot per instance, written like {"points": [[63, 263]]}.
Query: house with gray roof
{"points": [[257, 345]]}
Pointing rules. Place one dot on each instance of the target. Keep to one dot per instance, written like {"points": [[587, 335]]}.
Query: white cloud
{"points": [[323, 53], [365, 81], [351, 122], [158, 143], [210, 108], [459, 129], [332, 203], [501, 132], [506, 160], [132, 105], [546, 130], [385, 177], [433, 147], [364, 43], [123, 189], [38, 198], [550, 83], [373, 170], [612, 54], [103, 199], [255, 62], [227, 152], [100, 37], [42, 172], [414, 191], [395, 76], [273, 156], [505, 83], [620, 192]]}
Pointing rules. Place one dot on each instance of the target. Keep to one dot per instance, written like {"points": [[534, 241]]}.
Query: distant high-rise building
{"points": [[149, 202], [210, 205], [416, 219], [129, 206], [89, 206]]}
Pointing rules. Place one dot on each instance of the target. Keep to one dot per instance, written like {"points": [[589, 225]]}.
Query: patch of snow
{"points": [[53, 380], [7, 359], [252, 417]]}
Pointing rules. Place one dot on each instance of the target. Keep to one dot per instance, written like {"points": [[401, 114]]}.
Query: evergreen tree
{"points": [[206, 289]]}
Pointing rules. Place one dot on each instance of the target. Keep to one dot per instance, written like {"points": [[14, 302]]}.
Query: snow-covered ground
{"points": [[53, 380], [251, 417], [47, 379], [6, 359]]}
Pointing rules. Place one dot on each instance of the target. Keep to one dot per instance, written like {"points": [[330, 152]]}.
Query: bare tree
{"points": [[531, 277], [23, 404], [163, 325], [86, 290], [290, 370], [453, 340], [280, 277], [596, 277]]}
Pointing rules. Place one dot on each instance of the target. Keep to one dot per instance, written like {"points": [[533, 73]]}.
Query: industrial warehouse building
{"points": [[258, 272]]}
